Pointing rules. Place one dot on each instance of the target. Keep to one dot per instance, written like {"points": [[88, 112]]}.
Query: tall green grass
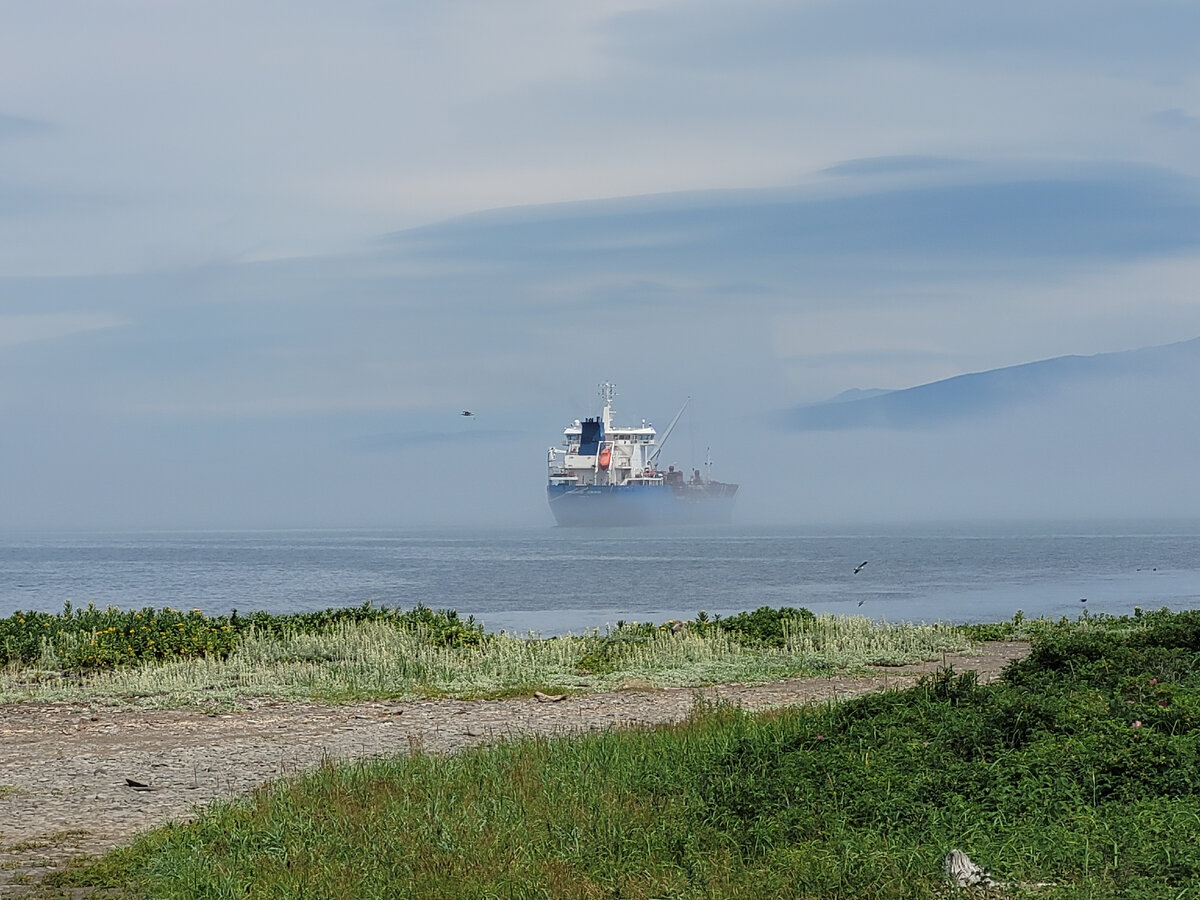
{"points": [[362, 656], [1081, 770]]}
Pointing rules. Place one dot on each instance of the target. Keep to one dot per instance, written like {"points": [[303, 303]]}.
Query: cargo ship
{"points": [[609, 475]]}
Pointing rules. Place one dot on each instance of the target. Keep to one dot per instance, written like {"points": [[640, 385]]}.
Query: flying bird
{"points": [[467, 412], [859, 567]]}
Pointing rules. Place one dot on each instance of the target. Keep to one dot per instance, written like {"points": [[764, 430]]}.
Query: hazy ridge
{"points": [[978, 394]]}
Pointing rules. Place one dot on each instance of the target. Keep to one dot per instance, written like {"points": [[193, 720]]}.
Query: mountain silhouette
{"points": [[980, 394]]}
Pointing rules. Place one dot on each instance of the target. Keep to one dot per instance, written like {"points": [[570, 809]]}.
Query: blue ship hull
{"points": [[641, 504]]}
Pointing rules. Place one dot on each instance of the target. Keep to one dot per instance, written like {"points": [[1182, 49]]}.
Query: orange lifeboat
{"points": [[605, 457]]}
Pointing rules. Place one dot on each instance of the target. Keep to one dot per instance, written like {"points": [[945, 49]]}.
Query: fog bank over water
{"points": [[1059, 442]]}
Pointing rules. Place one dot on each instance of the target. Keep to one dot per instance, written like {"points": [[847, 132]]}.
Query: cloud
{"points": [[892, 165], [883, 273], [14, 127], [939, 220], [33, 327], [392, 117], [19, 202], [1176, 119], [1156, 35]]}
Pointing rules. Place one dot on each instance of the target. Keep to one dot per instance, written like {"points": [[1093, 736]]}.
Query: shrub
{"points": [[90, 638], [765, 627]]}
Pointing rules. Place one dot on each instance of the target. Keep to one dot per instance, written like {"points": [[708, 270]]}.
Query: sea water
{"points": [[552, 581]]}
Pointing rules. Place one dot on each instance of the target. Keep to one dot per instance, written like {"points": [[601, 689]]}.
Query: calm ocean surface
{"points": [[552, 581]]}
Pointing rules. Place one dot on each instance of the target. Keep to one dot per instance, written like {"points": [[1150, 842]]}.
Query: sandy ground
{"points": [[64, 769]]}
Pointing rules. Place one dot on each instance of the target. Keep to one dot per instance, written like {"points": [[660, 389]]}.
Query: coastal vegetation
{"points": [[165, 657], [1077, 775]]}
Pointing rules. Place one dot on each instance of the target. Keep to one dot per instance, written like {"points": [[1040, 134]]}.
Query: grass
{"points": [[369, 653], [1080, 770]]}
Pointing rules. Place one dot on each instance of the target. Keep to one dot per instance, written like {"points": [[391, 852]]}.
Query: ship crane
{"points": [[666, 434]]}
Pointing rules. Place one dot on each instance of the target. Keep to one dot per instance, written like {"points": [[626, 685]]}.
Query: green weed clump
{"points": [[1017, 628], [815, 644], [92, 639], [1079, 772], [766, 627]]}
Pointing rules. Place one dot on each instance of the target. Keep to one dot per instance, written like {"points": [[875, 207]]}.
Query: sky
{"points": [[255, 258]]}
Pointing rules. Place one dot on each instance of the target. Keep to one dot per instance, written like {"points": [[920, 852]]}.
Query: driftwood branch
{"points": [[962, 872]]}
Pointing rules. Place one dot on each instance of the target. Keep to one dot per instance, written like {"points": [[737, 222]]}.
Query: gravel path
{"points": [[64, 769]]}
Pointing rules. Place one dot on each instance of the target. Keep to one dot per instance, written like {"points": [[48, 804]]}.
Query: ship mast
{"points": [[608, 390]]}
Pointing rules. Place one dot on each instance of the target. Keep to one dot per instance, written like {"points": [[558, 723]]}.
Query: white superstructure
{"points": [[608, 455]]}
